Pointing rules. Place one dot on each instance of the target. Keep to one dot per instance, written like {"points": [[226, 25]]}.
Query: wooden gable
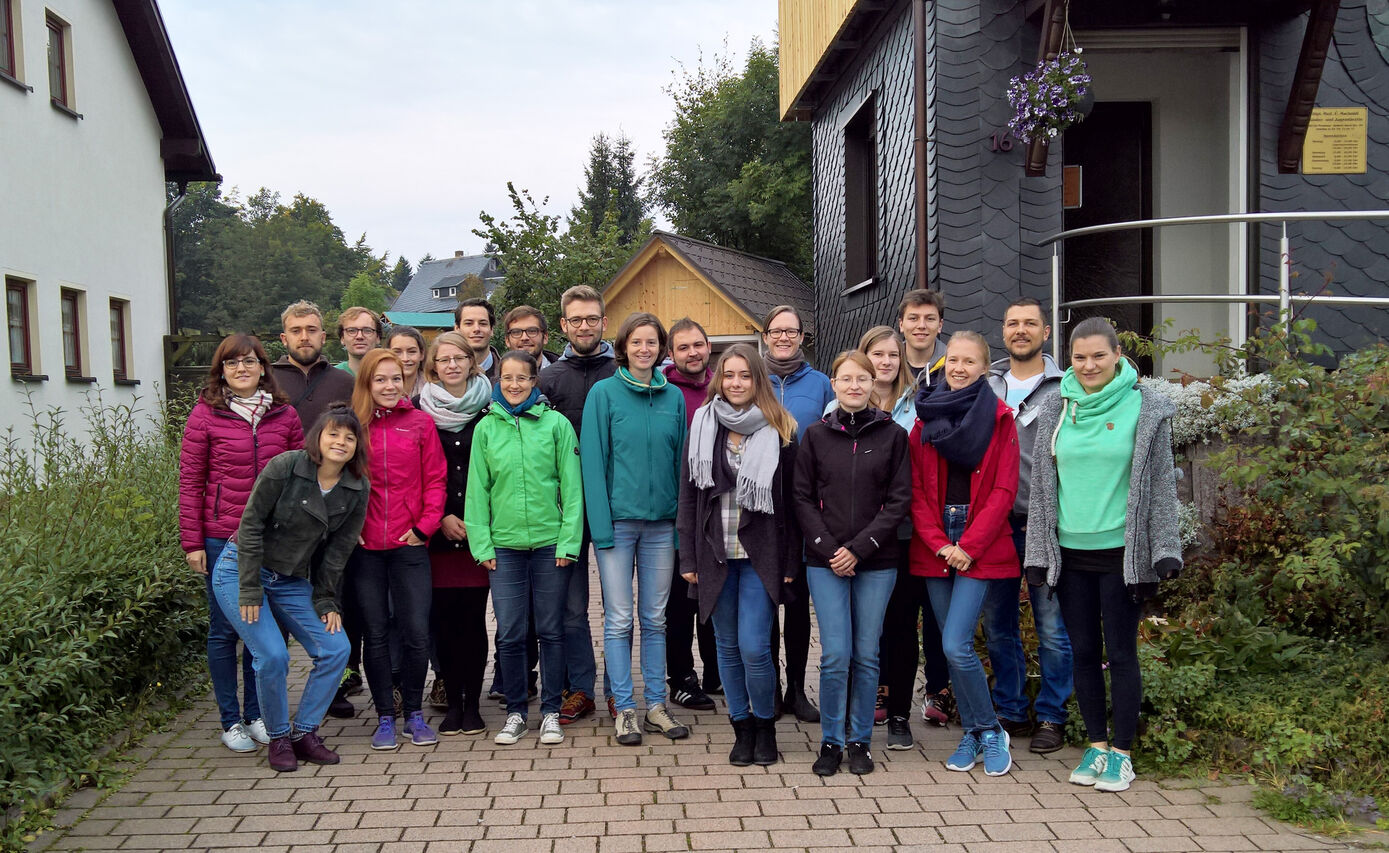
{"points": [[661, 282]]}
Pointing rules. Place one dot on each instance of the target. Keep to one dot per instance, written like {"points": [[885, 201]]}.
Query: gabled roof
{"points": [[183, 148], [756, 284], [446, 272]]}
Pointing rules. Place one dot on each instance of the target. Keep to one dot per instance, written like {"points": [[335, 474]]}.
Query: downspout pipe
{"points": [[169, 271], [919, 142]]}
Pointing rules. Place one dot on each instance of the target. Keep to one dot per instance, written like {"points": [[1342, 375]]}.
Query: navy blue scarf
{"points": [[959, 424], [520, 409]]}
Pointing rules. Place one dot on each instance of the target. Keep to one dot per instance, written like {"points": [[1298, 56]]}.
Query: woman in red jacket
{"points": [[240, 422], [964, 477], [389, 572]]}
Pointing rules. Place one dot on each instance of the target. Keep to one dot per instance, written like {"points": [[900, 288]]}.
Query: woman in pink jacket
{"points": [[389, 576], [240, 422]]}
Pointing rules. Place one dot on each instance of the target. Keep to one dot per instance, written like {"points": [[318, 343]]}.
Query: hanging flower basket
{"points": [[1050, 98]]}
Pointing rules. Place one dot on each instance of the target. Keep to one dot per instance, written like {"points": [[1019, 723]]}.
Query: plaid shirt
{"points": [[730, 511]]}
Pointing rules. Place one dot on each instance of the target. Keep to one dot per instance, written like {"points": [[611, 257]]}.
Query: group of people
{"points": [[369, 508]]}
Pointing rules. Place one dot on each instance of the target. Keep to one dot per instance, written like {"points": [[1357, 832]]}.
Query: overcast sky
{"points": [[407, 118]]}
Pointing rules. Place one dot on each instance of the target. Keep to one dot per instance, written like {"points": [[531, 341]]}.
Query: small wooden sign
{"points": [[1336, 141], [1070, 187]]}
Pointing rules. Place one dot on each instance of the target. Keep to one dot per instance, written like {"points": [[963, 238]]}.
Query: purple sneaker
{"points": [[282, 755], [420, 732], [385, 734], [310, 748]]}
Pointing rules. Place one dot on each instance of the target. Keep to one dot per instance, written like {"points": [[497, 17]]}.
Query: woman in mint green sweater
{"points": [[1102, 531]]}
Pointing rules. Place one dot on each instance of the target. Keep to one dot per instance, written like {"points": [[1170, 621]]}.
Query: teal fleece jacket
{"points": [[630, 446]]}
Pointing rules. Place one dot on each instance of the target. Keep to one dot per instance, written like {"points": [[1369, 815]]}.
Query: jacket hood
{"points": [[404, 405], [539, 407], [605, 351], [1049, 368], [837, 419], [1098, 405], [684, 380], [659, 382]]}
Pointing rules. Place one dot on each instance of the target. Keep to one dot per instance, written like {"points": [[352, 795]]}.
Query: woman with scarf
{"points": [[806, 393], [739, 542], [456, 400], [633, 433], [240, 422], [1102, 531], [853, 488], [389, 572], [964, 478], [524, 515]]}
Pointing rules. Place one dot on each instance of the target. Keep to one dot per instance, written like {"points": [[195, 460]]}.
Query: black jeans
{"points": [[398, 577], [459, 622], [682, 614], [1102, 621], [901, 651], [797, 629]]}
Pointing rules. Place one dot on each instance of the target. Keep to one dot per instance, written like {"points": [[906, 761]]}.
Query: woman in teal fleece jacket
{"points": [[633, 433], [1102, 531]]}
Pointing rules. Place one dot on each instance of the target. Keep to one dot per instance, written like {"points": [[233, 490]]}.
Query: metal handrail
{"points": [[1284, 299]]}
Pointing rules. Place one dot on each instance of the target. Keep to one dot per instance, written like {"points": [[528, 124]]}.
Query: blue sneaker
{"points": [[1118, 773], [385, 734], [420, 732], [1092, 764], [997, 759], [966, 754]]}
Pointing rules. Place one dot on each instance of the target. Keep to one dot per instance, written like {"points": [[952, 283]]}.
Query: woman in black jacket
{"points": [[299, 527], [739, 543], [853, 488]]}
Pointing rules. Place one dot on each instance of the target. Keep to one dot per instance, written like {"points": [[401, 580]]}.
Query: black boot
{"points": [[764, 751], [799, 704], [744, 742]]}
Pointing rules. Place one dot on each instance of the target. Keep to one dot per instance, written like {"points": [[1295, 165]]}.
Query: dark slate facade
{"points": [[418, 296]]}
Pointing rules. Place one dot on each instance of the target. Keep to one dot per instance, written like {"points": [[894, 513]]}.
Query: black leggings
{"points": [[682, 612], [458, 620], [900, 650], [1102, 621], [797, 618]]}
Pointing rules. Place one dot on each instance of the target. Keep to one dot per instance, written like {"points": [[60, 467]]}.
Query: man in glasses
{"points": [[525, 329], [474, 319], [359, 331]]}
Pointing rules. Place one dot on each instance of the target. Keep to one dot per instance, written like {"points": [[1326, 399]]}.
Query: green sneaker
{"points": [[1118, 773], [1091, 766]]}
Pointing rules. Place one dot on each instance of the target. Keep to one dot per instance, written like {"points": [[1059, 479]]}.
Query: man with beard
{"points": [[524, 328], [303, 373], [1023, 380], [689, 370], [474, 319], [566, 383], [359, 331], [920, 317]]}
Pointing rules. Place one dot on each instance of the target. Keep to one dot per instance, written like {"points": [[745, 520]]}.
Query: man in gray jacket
{"points": [[1023, 380]]}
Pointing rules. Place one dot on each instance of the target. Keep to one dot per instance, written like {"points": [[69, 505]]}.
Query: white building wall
{"points": [[81, 207]]}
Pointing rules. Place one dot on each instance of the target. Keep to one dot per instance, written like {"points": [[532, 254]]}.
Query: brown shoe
{"points": [[310, 748], [281, 755], [577, 705]]}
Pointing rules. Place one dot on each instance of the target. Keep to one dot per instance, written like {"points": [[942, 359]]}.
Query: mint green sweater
{"points": [[1093, 446]]}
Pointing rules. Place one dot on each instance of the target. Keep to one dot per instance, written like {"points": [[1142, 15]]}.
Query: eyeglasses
{"points": [[510, 379], [533, 332], [789, 334], [584, 321], [362, 332], [853, 380], [244, 361], [451, 360]]}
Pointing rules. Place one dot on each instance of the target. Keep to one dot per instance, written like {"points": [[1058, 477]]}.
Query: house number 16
{"points": [[1001, 140]]}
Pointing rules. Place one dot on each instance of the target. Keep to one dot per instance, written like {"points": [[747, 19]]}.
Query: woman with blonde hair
{"points": [[892, 380], [739, 540]]}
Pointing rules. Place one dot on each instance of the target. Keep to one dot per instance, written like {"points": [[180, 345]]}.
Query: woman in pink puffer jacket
{"points": [[241, 422]]}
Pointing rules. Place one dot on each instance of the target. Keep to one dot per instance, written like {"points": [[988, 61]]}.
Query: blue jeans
{"points": [[742, 619], [956, 602], [394, 590], [286, 603], [529, 582], [580, 667], [1005, 647], [650, 545], [850, 612], [221, 654]]}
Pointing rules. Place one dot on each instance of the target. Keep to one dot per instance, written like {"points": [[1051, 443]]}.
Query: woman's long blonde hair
{"points": [[904, 374], [763, 397]]}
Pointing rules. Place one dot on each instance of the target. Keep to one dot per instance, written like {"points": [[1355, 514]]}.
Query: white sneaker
{"points": [[550, 731], [256, 729], [513, 729], [237, 739]]}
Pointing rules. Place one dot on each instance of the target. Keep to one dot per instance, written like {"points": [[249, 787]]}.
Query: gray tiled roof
{"points": [[756, 283], [445, 272]]}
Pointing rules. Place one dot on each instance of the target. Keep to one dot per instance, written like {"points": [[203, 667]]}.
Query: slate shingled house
{"points": [[436, 285]]}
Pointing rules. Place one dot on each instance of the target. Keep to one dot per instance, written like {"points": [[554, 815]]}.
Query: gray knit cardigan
{"points": [[1152, 539]]}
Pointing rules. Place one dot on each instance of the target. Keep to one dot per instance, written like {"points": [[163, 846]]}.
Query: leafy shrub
{"points": [[96, 603]]}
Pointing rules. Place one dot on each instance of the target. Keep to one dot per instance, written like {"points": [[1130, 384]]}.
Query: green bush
{"points": [[97, 606]]}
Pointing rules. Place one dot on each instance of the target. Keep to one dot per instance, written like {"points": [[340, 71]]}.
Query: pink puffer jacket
{"points": [[220, 461]]}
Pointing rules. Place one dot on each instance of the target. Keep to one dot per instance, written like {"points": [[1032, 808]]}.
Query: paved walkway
{"points": [[589, 794]]}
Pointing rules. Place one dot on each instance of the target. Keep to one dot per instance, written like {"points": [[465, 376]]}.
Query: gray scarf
{"points": [[761, 451], [452, 413]]}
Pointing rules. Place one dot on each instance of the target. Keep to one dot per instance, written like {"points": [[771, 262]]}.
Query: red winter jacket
{"points": [[408, 477], [988, 537], [221, 458]]}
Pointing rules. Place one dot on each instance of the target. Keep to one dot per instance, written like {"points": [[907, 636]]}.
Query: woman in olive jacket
{"points": [[286, 563]]}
